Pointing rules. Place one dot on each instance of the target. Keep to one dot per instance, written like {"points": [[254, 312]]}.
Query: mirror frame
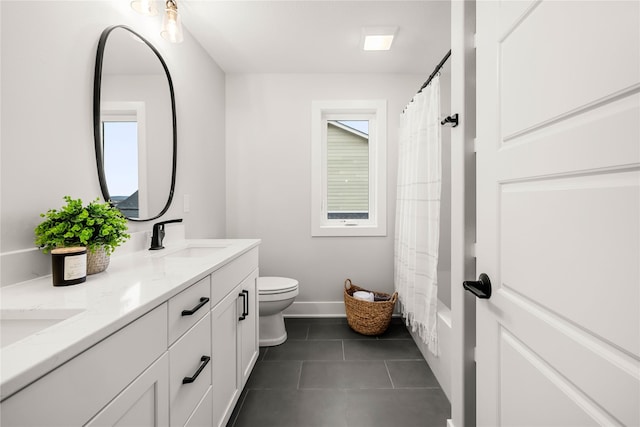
{"points": [[97, 134]]}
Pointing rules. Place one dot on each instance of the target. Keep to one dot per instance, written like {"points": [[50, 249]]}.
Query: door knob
{"points": [[480, 288]]}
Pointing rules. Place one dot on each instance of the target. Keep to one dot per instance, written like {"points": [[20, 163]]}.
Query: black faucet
{"points": [[158, 234]]}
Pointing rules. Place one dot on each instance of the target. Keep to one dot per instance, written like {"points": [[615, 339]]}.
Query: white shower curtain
{"points": [[418, 213]]}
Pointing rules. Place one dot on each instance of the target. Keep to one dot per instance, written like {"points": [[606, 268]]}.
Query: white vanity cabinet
{"points": [[183, 363], [117, 374], [234, 328]]}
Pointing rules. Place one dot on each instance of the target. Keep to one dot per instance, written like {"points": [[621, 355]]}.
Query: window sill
{"points": [[349, 231]]}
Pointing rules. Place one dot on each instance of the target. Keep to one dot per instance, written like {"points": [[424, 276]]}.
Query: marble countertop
{"points": [[132, 285]]}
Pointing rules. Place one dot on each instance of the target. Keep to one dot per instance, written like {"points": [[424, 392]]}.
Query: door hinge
{"points": [[475, 145]]}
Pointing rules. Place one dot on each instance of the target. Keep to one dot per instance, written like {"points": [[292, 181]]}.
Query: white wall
{"points": [[48, 53], [269, 182]]}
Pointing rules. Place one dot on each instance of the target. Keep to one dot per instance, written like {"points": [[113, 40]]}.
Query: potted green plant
{"points": [[98, 226]]}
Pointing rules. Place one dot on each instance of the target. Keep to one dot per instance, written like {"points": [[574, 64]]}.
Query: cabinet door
{"points": [[202, 416], [224, 356], [248, 327], [137, 405]]}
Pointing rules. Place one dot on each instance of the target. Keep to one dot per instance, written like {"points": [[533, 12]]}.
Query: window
{"points": [[349, 168]]}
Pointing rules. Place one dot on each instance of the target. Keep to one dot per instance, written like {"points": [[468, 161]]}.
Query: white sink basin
{"points": [[192, 251], [18, 324]]}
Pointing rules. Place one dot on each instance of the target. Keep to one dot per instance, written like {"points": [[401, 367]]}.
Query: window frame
{"points": [[376, 112]]}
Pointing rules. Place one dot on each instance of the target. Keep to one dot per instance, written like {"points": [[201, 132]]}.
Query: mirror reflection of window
{"points": [[120, 153], [124, 151], [347, 169]]}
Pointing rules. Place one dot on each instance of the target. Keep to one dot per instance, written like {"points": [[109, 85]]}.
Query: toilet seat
{"points": [[276, 285]]}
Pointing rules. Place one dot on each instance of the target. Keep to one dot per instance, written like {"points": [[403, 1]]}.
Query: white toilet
{"points": [[275, 295]]}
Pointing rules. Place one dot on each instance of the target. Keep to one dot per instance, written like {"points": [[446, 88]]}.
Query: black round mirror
{"points": [[134, 125]]}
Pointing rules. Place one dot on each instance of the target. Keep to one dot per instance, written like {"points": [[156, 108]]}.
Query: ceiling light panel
{"points": [[378, 38]]}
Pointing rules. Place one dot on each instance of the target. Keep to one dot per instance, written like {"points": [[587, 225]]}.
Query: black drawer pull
{"points": [[246, 310], [203, 301], [204, 360], [244, 302]]}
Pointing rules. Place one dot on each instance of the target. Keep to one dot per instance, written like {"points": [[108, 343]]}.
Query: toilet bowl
{"points": [[275, 294]]}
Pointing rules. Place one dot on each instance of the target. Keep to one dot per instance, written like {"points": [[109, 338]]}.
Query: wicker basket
{"points": [[366, 317]]}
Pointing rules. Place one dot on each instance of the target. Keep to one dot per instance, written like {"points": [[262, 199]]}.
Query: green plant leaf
{"points": [[97, 224]]}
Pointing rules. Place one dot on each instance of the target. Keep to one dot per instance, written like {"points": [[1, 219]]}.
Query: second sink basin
{"points": [[16, 325], [193, 252]]}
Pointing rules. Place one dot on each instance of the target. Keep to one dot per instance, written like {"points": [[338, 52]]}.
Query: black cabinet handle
{"points": [[203, 301], [244, 301], [480, 288], [246, 310], [204, 360]]}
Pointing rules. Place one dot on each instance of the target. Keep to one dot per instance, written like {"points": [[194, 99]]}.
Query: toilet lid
{"points": [[276, 285]]}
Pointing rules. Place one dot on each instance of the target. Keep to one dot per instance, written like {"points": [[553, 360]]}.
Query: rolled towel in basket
{"points": [[367, 296]]}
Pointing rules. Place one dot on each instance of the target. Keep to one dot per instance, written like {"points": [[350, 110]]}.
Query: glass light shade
{"points": [[172, 24], [145, 7]]}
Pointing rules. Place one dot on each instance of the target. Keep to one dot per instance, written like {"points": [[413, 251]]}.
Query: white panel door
{"points": [[558, 176]]}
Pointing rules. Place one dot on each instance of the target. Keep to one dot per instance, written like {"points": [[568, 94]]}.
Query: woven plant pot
{"points": [[97, 260], [365, 317]]}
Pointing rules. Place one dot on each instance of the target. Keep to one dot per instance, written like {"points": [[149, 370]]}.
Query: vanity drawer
{"points": [[203, 415], [228, 277], [189, 306], [189, 360]]}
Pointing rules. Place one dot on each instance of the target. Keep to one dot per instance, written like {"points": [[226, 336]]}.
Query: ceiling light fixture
{"points": [[378, 38], [171, 23], [145, 7]]}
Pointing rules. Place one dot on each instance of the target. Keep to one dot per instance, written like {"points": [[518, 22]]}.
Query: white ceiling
{"points": [[318, 36]]}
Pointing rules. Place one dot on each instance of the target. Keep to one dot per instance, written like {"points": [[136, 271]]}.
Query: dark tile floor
{"points": [[325, 374]]}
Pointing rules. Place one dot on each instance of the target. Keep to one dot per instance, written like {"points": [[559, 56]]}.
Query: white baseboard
{"points": [[320, 309], [450, 423], [315, 309]]}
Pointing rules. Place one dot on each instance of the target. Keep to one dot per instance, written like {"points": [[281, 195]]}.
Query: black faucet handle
{"points": [[169, 221], [158, 233]]}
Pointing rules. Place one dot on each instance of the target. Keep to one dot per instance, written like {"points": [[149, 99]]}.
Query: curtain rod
{"points": [[435, 71]]}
